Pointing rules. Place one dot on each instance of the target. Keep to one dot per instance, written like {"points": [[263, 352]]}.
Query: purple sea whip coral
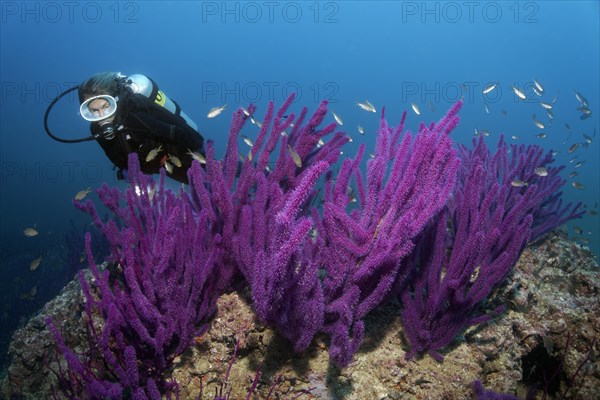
{"points": [[283, 247], [266, 218], [177, 252], [271, 237], [162, 296], [477, 240], [523, 163], [310, 269], [408, 182]]}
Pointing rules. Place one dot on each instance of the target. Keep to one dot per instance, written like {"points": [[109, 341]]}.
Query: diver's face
{"points": [[100, 107]]}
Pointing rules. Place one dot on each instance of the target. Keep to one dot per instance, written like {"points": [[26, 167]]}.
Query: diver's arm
{"points": [[165, 131]]}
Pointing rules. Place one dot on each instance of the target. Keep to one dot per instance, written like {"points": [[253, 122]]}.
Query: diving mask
{"points": [[98, 108]]}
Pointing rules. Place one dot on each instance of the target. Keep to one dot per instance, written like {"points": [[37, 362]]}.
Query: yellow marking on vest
{"points": [[160, 98]]}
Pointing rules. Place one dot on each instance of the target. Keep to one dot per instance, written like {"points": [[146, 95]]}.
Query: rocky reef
{"points": [[547, 335]]}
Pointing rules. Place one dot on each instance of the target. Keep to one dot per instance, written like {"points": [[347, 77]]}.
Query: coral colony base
{"points": [[434, 229]]}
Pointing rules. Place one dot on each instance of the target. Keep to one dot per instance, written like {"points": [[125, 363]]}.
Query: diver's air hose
{"points": [[48, 113]]}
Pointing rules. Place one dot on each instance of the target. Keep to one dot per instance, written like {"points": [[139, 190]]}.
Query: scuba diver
{"points": [[130, 114]]}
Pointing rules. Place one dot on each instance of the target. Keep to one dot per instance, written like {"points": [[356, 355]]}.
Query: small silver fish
{"points": [[538, 86], [337, 119], [541, 135], [489, 88], [415, 108], [519, 93], [366, 106], [175, 160], [247, 140], [30, 232], [295, 157], [321, 142], [514, 137], [578, 230], [35, 263], [371, 105], [363, 106], [151, 192], [573, 147], [540, 171], [475, 274], [580, 98], [518, 183], [588, 139], [197, 156], [153, 153], [485, 106], [538, 124], [213, 112], [360, 130], [169, 167], [573, 174], [578, 185], [82, 193]]}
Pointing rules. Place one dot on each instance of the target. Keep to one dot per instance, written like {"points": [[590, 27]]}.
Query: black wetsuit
{"points": [[146, 126]]}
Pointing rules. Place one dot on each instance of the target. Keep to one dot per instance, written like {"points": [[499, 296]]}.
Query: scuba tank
{"points": [[141, 84]]}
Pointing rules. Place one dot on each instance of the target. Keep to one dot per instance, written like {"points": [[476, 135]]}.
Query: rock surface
{"points": [[552, 298]]}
